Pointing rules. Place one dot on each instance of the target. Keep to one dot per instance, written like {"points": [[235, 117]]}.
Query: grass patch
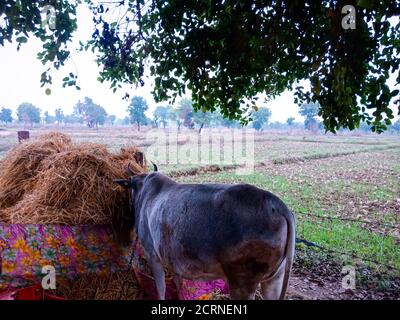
{"points": [[275, 184], [352, 238], [366, 190], [347, 237], [372, 192]]}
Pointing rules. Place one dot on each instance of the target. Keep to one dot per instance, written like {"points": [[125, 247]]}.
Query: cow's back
{"points": [[213, 226]]}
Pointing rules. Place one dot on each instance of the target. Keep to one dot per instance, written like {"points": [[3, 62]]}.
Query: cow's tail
{"points": [[290, 246]]}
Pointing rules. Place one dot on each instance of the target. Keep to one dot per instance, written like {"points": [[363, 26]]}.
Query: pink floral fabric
{"points": [[76, 250], [190, 290], [25, 249]]}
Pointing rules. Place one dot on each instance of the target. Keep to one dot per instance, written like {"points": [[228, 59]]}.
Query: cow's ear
{"points": [[123, 183]]}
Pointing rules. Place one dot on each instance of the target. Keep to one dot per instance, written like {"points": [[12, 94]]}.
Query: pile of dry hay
{"points": [[116, 286], [50, 180]]}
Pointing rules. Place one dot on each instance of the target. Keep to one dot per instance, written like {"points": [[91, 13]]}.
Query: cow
{"points": [[237, 232]]}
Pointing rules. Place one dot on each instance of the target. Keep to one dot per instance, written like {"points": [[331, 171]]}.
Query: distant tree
{"points": [[111, 119], [161, 115], [261, 118], [72, 119], [136, 110], [280, 125], [310, 112], [92, 113], [147, 121], [48, 119], [219, 120], [396, 126], [290, 121], [311, 124], [185, 112], [120, 121], [202, 119], [78, 110], [126, 120], [59, 115], [173, 115], [156, 119], [6, 115], [230, 123], [28, 113], [364, 127]]}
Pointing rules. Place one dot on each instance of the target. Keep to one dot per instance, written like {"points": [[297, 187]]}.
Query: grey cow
{"points": [[239, 233]]}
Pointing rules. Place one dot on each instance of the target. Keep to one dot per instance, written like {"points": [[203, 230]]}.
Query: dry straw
{"points": [[50, 180], [116, 286]]}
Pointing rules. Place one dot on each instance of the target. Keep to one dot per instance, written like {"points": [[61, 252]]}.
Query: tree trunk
{"points": [[201, 127]]}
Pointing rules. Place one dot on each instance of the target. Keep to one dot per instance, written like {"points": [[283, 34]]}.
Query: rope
{"points": [[391, 226], [313, 244], [129, 269]]}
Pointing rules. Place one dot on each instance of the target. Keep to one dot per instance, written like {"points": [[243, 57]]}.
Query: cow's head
{"points": [[124, 221], [135, 181]]}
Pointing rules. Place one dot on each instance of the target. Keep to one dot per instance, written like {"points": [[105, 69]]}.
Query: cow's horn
{"points": [[130, 169], [154, 166]]}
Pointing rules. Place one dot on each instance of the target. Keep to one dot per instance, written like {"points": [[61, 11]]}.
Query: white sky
{"points": [[20, 75]]}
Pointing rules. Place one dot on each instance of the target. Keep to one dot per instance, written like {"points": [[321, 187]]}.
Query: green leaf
{"points": [[22, 39], [394, 93], [368, 4]]}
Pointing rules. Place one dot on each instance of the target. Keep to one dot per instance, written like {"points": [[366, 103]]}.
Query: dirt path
{"points": [[322, 280], [315, 288], [304, 288]]}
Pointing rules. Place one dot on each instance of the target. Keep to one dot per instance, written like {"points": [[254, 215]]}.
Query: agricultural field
{"points": [[343, 189]]}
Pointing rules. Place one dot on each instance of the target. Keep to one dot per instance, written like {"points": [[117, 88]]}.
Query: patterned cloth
{"points": [[190, 290], [25, 249], [77, 250]]}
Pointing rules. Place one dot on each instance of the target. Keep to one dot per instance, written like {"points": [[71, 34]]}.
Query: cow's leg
{"points": [[178, 284], [272, 287], [159, 276], [242, 288], [243, 278]]}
